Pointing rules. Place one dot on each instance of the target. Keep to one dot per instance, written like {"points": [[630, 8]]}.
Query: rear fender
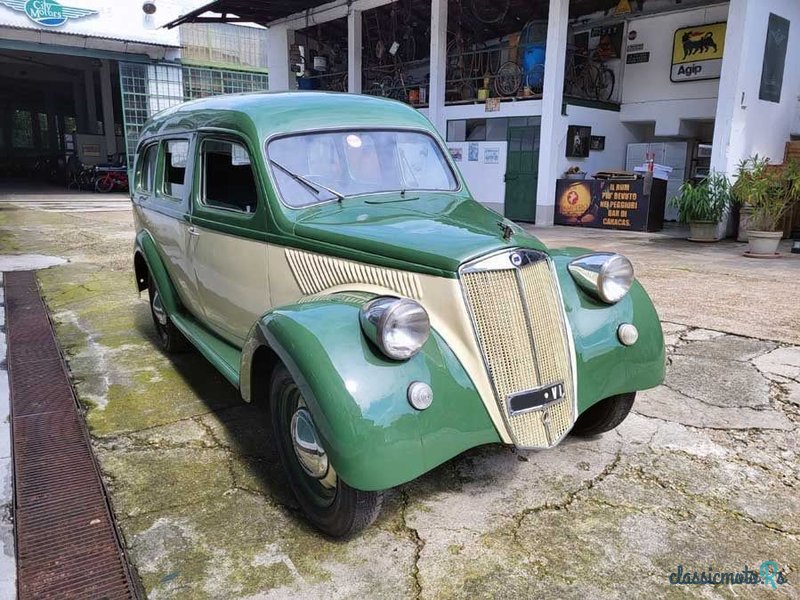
{"points": [[145, 249]]}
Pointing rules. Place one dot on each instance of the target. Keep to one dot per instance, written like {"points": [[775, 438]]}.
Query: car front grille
{"points": [[518, 317]]}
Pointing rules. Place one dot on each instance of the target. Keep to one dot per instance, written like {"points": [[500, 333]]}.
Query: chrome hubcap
{"points": [[309, 451], [158, 309]]}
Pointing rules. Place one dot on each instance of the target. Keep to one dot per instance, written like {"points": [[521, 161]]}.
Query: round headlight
{"points": [[616, 278], [607, 276], [398, 326]]}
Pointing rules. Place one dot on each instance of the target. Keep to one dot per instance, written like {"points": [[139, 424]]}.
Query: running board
{"points": [[217, 351]]}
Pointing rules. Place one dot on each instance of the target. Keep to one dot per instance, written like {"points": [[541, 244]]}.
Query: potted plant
{"points": [[769, 191], [702, 206]]}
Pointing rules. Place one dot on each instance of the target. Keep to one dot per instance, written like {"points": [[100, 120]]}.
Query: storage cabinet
{"points": [[670, 154]]}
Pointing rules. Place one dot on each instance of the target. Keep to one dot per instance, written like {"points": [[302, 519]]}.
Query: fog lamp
{"points": [[420, 395], [628, 334]]}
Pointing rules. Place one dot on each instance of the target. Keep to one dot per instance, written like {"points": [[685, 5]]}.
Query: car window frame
{"points": [[141, 155], [200, 175], [448, 160], [161, 170]]}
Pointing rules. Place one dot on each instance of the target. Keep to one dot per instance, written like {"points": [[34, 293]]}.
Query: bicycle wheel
{"points": [[104, 184], [489, 11], [534, 79], [508, 79], [604, 85]]}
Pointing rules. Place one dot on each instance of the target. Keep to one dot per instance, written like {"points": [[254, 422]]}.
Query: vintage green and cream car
{"points": [[323, 252]]}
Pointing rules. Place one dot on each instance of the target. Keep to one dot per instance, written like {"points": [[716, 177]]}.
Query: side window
{"points": [[147, 168], [175, 153], [228, 179]]}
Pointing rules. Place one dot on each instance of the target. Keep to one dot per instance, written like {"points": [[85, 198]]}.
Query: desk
{"points": [[610, 204]]}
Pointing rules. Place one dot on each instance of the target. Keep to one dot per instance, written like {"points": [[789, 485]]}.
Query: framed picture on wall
{"points": [[597, 142], [578, 141]]}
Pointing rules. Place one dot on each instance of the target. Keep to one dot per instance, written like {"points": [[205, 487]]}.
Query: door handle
{"points": [[193, 230]]}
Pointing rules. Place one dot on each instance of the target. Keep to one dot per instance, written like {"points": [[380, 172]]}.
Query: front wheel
{"points": [[328, 502], [604, 416], [104, 185]]}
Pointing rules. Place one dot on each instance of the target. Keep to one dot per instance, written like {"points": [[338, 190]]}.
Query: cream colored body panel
{"points": [[173, 243], [441, 297], [232, 283]]}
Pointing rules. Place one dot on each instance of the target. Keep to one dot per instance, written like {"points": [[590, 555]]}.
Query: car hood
{"points": [[439, 231]]}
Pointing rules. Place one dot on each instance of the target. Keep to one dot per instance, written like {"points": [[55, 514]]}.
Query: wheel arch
{"points": [[358, 397]]}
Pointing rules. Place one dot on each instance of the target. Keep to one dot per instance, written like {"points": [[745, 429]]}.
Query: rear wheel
{"points": [[604, 416], [329, 503], [170, 338]]}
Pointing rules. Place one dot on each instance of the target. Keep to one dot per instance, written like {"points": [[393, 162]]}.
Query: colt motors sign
{"points": [[697, 52]]}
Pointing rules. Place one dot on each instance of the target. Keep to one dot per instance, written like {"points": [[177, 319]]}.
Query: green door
{"points": [[522, 167]]}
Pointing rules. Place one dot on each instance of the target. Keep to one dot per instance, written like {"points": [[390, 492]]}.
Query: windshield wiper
{"points": [[311, 185]]}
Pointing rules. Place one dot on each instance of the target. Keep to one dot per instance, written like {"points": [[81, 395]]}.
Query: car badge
{"points": [[516, 259]]}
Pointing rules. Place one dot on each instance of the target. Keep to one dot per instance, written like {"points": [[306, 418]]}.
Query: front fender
{"points": [[374, 438], [604, 366]]}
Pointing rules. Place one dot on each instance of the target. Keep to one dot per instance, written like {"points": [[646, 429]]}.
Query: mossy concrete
{"points": [[692, 477]]}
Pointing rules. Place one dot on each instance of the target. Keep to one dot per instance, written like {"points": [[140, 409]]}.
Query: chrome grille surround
{"points": [[517, 312]]}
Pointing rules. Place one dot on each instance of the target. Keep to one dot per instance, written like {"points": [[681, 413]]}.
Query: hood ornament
{"points": [[507, 230]]}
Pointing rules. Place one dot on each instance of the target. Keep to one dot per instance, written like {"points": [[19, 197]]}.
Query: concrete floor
{"points": [[704, 474]]}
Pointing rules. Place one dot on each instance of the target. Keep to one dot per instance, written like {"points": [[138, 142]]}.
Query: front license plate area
{"points": [[537, 399]]}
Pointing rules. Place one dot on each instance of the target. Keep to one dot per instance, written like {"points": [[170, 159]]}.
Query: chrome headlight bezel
{"points": [[383, 316], [606, 275]]}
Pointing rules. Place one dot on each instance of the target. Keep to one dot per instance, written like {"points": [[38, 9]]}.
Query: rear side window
{"points": [[147, 168], [175, 153], [228, 179]]}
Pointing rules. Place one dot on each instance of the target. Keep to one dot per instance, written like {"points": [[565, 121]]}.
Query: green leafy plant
{"points": [[703, 201], [769, 190]]}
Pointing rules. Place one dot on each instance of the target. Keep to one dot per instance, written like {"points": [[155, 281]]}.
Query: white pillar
{"points": [[108, 107], [553, 130], [279, 38], [91, 102], [438, 65], [354, 51]]}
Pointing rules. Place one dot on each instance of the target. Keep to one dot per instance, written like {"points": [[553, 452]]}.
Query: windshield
{"points": [[349, 163]]}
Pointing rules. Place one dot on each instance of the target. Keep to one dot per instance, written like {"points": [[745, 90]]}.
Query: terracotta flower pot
{"points": [[703, 231], [763, 244]]}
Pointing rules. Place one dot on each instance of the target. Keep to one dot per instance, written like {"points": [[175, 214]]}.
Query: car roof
{"points": [[266, 114]]}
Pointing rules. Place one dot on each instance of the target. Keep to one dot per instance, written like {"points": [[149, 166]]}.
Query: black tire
{"points": [[169, 337], [604, 416], [339, 511]]}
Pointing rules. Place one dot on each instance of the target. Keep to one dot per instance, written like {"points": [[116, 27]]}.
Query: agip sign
{"points": [[48, 13], [697, 52]]}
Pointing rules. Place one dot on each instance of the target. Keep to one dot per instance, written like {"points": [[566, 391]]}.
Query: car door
{"points": [[228, 245], [166, 214]]}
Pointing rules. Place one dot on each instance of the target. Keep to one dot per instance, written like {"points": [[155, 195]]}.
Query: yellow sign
{"points": [[697, 52]]}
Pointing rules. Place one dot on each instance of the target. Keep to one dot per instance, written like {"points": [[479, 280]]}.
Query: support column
{"points": [[554, 130], [91, 102], [438, 65], [354, 51], [108, 107], [278, 40], [728, 144], [80, 107]]}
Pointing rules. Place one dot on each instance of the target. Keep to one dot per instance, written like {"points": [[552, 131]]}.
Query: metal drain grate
{"points": [[67, 543]]}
